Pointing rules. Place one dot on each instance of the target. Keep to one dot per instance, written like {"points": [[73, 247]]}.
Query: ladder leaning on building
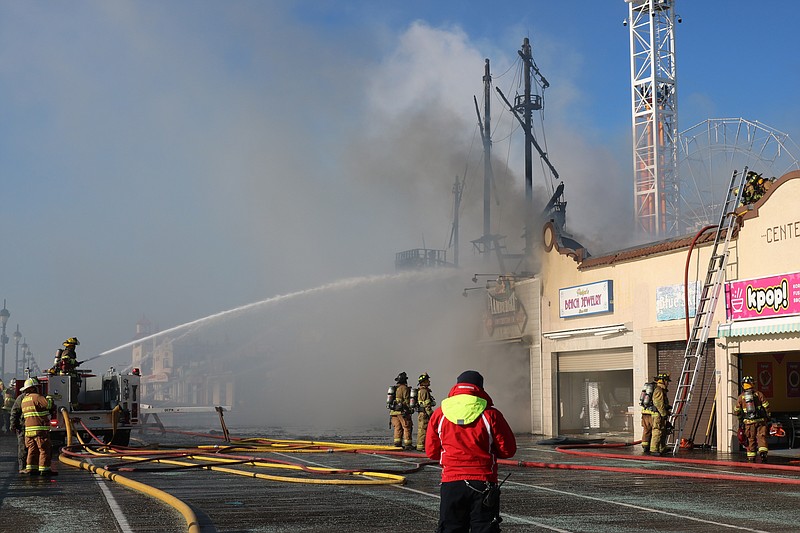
{"points": [[706, 304]]}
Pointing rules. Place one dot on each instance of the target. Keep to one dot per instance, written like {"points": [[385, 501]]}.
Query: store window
{"points": [[595, 401]]}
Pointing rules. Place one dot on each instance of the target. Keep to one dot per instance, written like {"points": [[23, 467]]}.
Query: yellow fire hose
{"points": [[172, 501], [383, 477], [296, 446]]}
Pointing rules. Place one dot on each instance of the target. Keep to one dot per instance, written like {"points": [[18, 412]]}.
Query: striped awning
{"points": [[764, 326]]}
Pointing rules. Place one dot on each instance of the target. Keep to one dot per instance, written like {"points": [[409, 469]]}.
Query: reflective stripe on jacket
{"points": [[36, 412]]}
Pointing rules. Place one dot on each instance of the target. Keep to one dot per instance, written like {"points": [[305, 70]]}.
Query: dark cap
{"points": [[472, 377]]}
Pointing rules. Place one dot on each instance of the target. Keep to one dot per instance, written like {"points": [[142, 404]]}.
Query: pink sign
{"points": [[763, 297]]}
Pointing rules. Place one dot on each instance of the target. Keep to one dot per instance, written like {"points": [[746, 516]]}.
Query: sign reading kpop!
{"points": [[763, 297], [586, 299]]}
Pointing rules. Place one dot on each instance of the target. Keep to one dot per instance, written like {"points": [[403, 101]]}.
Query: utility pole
{"points": [[457, 188], [487, 150], [527, 110]]}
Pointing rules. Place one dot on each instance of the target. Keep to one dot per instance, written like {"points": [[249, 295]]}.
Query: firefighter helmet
{"points": [[30, 383], [663, 376], [402, 377], [423, 377], [748, 379], [72, 341]]}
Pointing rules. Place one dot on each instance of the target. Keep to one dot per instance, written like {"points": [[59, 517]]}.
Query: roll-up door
{"points": [[596, 360]]}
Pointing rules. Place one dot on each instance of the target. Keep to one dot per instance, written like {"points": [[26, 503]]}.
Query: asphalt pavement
{"points": [[613, 489]]}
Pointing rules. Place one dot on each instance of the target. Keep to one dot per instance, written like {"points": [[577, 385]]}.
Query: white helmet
{"points": [[30, 383]]}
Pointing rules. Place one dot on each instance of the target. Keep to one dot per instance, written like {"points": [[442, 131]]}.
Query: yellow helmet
{"points": [[72, 341]]}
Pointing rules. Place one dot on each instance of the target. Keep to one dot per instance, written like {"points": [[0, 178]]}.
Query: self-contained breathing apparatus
{"points": [[646, 397], [393, 404], [751, 410], [391, 398]]}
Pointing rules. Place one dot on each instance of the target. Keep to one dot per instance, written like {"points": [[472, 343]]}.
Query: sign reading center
{"points": [[587, 299]]}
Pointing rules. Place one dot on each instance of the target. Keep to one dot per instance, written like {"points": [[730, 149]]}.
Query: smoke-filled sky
{"points": [[176, 159]]}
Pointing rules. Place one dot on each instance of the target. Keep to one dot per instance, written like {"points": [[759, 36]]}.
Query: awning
{"points": [[764, 326]]}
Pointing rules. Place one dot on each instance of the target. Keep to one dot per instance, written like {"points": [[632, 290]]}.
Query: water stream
{"points": [[323, 357]]}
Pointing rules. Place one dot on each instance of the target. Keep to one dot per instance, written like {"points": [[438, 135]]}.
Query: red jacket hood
{"points": [[473, 390]]}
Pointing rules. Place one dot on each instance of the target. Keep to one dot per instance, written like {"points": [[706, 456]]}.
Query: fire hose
{"points": [[573, 450]]}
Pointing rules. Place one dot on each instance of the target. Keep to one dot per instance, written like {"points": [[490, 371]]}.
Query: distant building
{"points": [[181, 373]]}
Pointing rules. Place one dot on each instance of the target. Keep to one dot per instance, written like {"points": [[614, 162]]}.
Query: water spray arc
{"points": [[344, 284]]}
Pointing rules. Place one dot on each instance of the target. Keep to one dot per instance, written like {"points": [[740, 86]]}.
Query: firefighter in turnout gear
{"points": [[425, 405], [752, 408], [660, 414], [66, 364], [648, 409], [400, 410], [18, 427], [7, 397], [36, 412]]}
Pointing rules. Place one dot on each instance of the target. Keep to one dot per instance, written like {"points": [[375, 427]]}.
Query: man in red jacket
{"points": [[467, 435]]}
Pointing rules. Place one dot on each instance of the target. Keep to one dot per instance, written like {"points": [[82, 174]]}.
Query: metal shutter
{"points": [[596, 360]]}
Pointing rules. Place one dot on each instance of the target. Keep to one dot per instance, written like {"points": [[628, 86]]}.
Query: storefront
{"points": [[762, 333], [611, 323]]}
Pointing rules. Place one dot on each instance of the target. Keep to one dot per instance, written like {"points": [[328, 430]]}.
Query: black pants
{"points": [[464, 508]]}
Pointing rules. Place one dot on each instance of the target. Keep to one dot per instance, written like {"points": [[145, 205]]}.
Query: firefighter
{"points": [[400, 412], [68, 363], [425, 405], [36, 412], [6, 403], [660, 414], [752, 408], [646, 401], [18, 427]]}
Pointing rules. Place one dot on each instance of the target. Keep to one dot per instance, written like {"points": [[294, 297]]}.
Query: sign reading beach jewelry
{"points": [[763, 297], [587, 299], [670, 303]]}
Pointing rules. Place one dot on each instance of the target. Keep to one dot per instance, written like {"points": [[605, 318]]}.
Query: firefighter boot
{"points": [[763, 457], [646, 450], [751, 459]]}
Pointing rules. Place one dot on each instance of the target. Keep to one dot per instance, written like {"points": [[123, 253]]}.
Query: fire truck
{"points": [[106, 405]]}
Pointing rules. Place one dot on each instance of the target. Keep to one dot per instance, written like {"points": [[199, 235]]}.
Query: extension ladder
{"points": [[706, 304]]}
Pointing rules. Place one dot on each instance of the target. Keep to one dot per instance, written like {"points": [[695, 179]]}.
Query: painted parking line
{"points": [[116, 510], [509, 518], [637, 507]]}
